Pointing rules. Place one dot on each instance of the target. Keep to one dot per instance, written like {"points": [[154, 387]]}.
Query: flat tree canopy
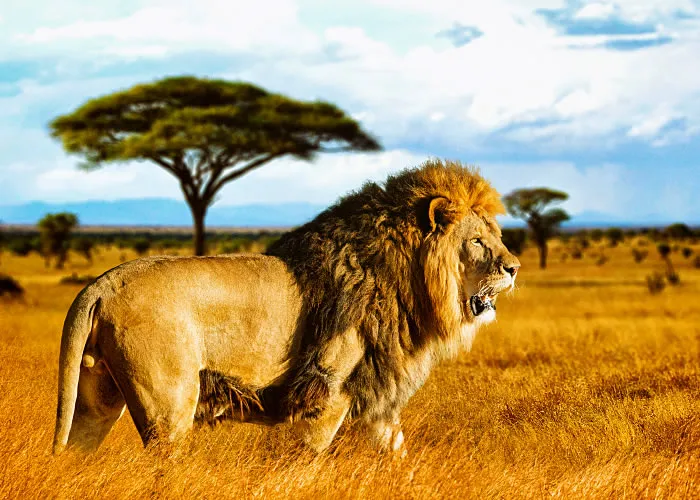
{"points": [[205, 132], [532, 205]]}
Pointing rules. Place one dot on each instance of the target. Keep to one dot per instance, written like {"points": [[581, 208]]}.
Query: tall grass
{"points": [[586, 387]]}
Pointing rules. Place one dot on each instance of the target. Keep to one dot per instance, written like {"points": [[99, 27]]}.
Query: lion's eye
{"points": [[477, 242]]}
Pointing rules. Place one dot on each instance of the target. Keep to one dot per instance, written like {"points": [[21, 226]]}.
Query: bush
{"points": [[615, 236], [696, 262], [664, 250], [601, 260], [687, 252], [639, 255], [576, 253], [141, 246], [9, 287], [656, 283], [20, 247], [596, 235]]}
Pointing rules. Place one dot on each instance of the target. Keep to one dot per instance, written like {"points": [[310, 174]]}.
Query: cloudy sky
{"points": [[600, 99]]}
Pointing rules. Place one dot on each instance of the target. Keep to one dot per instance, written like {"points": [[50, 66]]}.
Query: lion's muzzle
{"points": [[481, 304]]}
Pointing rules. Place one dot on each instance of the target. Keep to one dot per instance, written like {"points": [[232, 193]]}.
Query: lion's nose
{"points": [[513, 270]]}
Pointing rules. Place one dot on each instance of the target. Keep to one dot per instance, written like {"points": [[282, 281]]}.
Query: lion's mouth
{"points": [[481, 303]]}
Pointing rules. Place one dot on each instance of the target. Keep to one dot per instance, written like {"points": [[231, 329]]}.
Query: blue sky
{"points": [[600, 99]]}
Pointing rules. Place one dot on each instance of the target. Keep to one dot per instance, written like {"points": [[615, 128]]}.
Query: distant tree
{"points": [[531, 205], [615, 236], [205, 132], [671, 274], [141, 246], [678, 232], [514, 240], [55, 232], [84, 246]]}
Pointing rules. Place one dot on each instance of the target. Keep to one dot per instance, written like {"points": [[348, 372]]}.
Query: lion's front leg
{"points": [[318, 433], [387, 435]]}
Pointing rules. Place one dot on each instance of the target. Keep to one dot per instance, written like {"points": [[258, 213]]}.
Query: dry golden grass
{"points": [[586, 386]]}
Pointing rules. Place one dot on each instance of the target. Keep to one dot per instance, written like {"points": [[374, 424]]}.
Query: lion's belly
{"points": [[254, 345], [235, 315]]}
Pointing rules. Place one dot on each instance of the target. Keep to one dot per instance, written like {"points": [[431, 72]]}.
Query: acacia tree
{"points": [[531, 206], [205, 132]]}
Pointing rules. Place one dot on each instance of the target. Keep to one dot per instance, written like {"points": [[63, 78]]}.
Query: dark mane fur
{"points": [[359, 265]]}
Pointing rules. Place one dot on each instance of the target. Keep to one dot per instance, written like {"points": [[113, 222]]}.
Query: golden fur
{"points": [[344, 316]]}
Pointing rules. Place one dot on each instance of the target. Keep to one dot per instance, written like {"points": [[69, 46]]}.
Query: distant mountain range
{"points": [[162, 212], [169, 212]]}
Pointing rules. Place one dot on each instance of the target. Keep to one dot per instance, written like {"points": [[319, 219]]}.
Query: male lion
{"points": [[344, 317]]}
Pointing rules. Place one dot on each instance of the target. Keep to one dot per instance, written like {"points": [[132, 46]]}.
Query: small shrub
{"points": [[141, 246], [615, 236], [9, 287], [576, 253], [687, 252], [696, 262], [656, 283], [20, 247], [672, 277], [639, 254], [664, 250], [601, 260], [596, 235]]}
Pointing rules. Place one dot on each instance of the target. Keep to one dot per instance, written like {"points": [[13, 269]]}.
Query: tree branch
{"points": [[216, 185]]}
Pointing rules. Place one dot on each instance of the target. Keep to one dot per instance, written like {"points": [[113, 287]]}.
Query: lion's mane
{"points": [[375, 261]]}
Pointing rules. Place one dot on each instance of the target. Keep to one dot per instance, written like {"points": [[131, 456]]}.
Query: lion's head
{"points": [[464, 265]]}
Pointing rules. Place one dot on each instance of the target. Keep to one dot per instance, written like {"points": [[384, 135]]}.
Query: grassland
{"points": [[586, 387]]}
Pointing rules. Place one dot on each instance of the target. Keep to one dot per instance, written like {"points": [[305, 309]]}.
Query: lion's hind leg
{"points": [[98, 407]]}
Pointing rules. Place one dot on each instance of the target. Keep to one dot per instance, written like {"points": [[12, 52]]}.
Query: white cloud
{"points": [[520, 70], [219, 25], [595, 10], [650, 126]]}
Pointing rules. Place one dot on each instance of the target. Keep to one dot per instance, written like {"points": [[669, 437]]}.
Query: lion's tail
{"points": [[76, 331]]}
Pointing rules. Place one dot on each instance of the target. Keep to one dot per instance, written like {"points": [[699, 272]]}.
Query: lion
{"points": [[342, 318]]}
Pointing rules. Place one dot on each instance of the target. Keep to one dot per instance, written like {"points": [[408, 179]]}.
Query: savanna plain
{"points": [[587, 386]]}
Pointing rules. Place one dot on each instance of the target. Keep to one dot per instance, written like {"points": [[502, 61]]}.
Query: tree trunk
{"points": [[542, 245], [199, 211]]}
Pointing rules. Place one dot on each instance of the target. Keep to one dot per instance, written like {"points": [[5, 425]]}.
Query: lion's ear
{"points": [[439, 213]]}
